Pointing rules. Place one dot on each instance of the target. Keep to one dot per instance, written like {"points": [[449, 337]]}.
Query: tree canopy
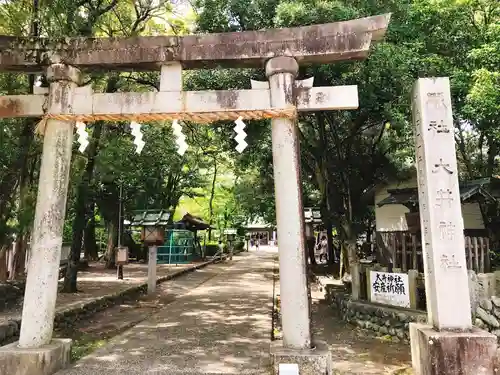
{"points": [[344, 153]]}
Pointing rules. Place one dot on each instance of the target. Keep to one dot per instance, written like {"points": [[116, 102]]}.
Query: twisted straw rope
{"points": [[201, 117]]}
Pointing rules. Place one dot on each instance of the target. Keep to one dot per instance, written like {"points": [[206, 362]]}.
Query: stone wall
{"points": [[380, 319], [394, 322], [488, 315], [9, 330], [11, 293]]}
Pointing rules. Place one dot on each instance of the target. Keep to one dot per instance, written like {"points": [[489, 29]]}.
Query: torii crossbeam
{"points": [[64, 102], [200, 106], [314, 44]]}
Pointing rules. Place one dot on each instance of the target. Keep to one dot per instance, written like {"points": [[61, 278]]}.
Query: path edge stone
{"points": [[9, 331]]}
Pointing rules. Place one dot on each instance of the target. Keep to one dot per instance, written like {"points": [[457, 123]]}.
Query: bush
{"points": [[211, 249]]}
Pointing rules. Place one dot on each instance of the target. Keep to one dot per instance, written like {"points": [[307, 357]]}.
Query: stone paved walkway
{"points": [[219, 322]]}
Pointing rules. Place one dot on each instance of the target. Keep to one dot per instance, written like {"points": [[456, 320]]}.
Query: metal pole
{"points": [[120, 215], [119, 268], [170, 246]]}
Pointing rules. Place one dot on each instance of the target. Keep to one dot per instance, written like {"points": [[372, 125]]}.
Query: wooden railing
{"points": [[384, 255], [405, 250], [9, 258]]}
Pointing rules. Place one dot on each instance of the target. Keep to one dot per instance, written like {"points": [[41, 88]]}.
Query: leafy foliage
{"points": [[344, 154]]}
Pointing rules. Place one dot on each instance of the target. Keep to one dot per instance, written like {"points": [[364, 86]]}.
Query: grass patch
{"points": [[403, 371], [85, 345], [386, 338]]}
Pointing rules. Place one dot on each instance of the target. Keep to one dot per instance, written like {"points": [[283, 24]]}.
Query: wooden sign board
{"points": [[121, 255], [288, 369], [389, 288]]}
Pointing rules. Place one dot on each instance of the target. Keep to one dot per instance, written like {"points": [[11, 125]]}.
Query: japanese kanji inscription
{"points": [[440, 207]]}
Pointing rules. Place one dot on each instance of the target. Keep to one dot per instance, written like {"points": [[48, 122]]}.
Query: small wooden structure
{"points": [[176, 241], [259, 229], [403, 248]]}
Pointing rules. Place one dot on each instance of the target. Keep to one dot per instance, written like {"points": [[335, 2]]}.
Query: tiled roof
{"points": [[151, 218], [468, 191]]}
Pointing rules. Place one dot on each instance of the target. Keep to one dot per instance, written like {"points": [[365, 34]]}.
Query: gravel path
{"points": [[219, 322]]}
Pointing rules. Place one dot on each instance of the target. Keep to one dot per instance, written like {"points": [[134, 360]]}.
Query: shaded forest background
{"points": [[344, 154]]}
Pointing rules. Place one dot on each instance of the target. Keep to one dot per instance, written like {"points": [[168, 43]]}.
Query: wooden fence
{"points": [[9, 257], [404, 250]]}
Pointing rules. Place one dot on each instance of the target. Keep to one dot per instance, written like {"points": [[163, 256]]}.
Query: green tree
{"points": [[346, 153]]}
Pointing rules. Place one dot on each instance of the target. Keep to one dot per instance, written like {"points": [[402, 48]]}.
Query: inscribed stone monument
{"points": [[446, 278]]}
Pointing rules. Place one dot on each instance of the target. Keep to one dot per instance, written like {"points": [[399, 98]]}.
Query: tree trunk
{"points": [[369, 231], [27, 137], [211, 201], [329, 239], [353, 268], [18, 263], [3, 263], [344, 260], [76, 243], [310, 242], [463, 151], [492, 155], [89, 239], [323, 176], [81, 214], [112, 243]]}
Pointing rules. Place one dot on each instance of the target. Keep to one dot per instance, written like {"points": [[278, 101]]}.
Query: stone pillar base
{"points": [[46, 360], [316, 361], [452, 353]]}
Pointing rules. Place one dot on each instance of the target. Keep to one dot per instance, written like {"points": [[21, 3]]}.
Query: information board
{"points": [[390, 288]]}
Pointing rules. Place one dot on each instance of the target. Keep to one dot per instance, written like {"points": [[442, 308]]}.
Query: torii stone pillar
{"points": [[449, 345], [347, 40], [43, 269], [37, 353], [297, 345], [281, 72]]}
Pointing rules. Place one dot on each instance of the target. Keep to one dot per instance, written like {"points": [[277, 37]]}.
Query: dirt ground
{"points": [[95, 332], [90, 334], [97, 281], [356, 351]]}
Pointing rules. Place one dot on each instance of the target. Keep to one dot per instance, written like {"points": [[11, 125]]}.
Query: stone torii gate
{"points": [[65, 102]]}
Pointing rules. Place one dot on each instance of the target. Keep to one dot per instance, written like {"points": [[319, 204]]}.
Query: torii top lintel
{"points": [[347, 40]]}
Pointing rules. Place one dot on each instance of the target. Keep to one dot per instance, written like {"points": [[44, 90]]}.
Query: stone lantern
{"points": [[153, 223], [230, 237]]}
